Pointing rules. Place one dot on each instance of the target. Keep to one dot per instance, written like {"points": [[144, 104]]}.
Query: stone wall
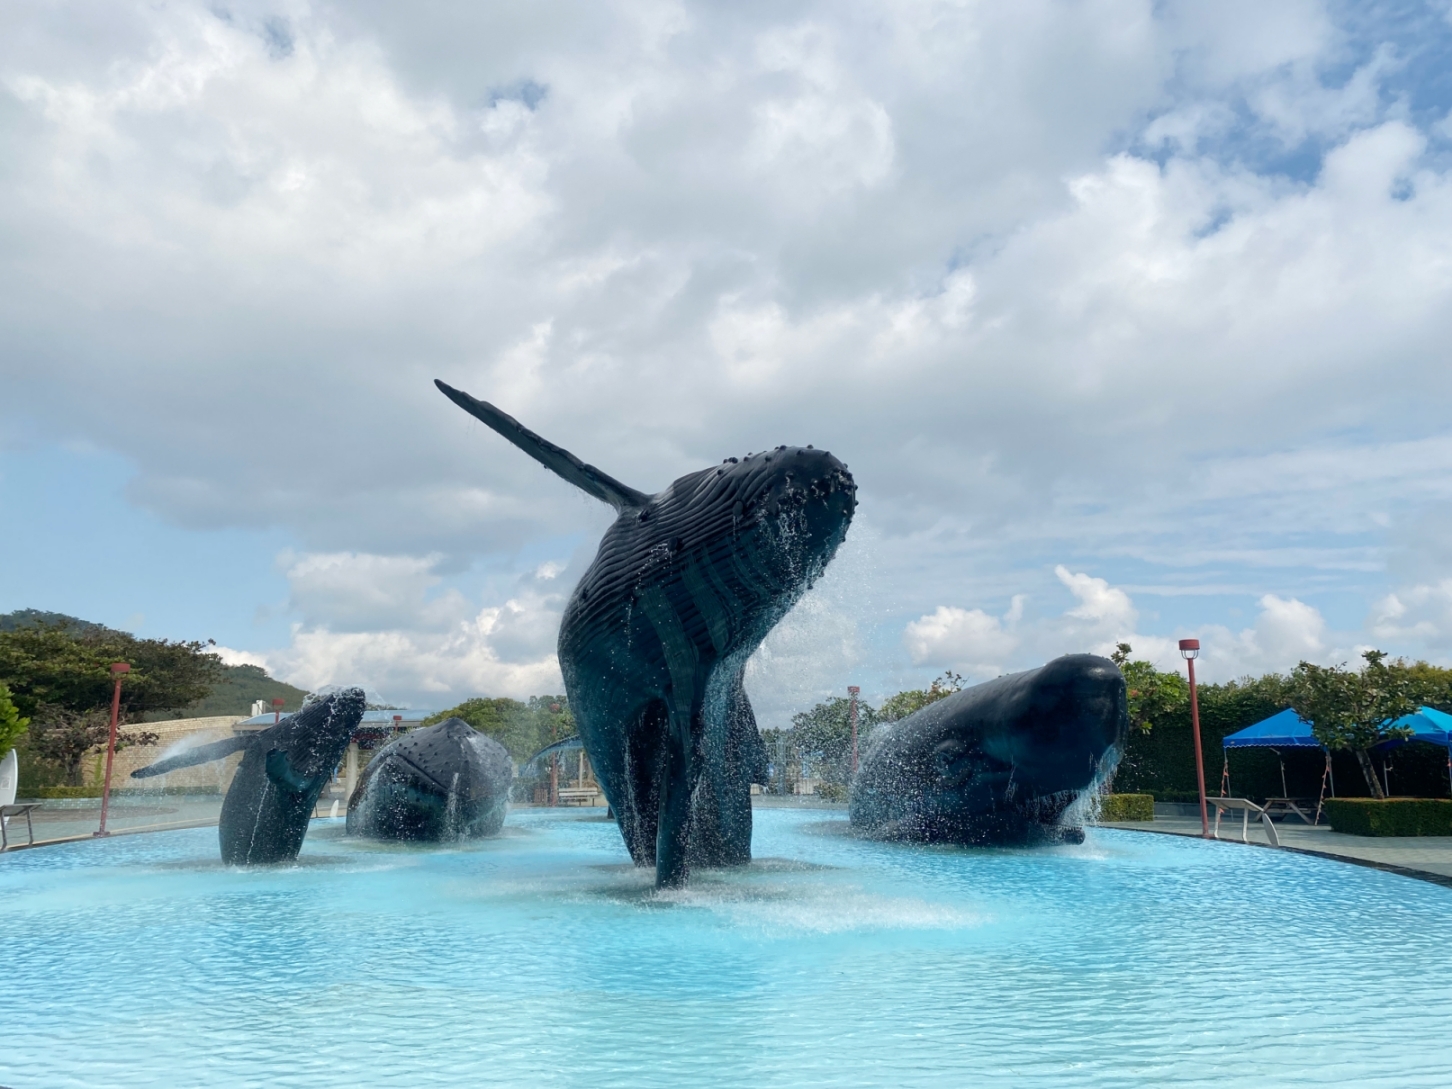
{"points": [[175, 735]]}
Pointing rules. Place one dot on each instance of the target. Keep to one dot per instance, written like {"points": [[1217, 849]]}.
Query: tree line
{"points": [[522, 727], [1351, 710], [56, 685]]}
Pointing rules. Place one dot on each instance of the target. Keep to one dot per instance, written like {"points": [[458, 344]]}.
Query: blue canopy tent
{"points": [[1281, 731], [1284, 730], [1427, 724]]}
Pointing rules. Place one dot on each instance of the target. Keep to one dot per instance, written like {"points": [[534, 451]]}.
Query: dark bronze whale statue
{"points": [[284, 768], [654, 640], [997, 763], [442, 782]]}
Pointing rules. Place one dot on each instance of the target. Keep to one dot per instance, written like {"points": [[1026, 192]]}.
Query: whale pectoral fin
{"points": [[281, 772], [202, 754], [554, 458]]}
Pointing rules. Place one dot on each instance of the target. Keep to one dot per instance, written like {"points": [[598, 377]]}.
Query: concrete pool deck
{"points": [[1425, 857], [66, 820]]}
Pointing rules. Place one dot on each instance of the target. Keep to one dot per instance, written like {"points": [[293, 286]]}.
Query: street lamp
{"points": [[1190, 650], [852, 691], [118, 670]]}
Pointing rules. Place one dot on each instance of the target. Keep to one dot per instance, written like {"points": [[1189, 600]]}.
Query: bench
{"points": [[1246, 808], [578, 796], [8, 811]]}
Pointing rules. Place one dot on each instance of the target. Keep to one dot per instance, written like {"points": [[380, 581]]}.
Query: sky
{"points": [[1131, 319]]}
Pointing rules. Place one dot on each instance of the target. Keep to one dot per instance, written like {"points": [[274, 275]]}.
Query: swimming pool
{"points": [[542, 958]]}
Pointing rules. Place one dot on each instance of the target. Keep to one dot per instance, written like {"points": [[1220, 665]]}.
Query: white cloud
{"points": [[967, 639], [931, 238], [1419, 615], [1286, 631], [375, 622]]}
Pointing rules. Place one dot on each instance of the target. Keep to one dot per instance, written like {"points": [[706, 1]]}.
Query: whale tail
{"points": [[558, 460], [202, 754]]}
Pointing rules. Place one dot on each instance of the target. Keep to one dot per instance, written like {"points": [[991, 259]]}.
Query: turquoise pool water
{"points": [[543, 959]]}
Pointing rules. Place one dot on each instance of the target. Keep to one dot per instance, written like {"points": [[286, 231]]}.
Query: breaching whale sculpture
{"points": [[441, 782], [686, 585], [284, 768], [997, 763]]}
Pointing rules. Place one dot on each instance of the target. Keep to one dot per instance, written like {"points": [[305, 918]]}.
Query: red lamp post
{"points": [[852, 691], [118, 670], [277, 711], [1190, 650]]}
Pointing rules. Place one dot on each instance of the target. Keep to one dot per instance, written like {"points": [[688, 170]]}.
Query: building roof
{"points": [[410, 717]]}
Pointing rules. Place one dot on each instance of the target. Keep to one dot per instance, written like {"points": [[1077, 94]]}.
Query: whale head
{"points": [[999, 762], [315, 737], [779, 514]]}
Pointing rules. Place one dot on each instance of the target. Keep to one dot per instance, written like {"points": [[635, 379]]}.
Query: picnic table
{"points": [[8, 811]]}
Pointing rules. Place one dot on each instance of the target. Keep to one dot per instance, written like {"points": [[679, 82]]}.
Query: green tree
{"points": [[58, 673], [1151, 694], [61, 665], [823, 736], [12, 723], [522, 728], [64, 736], [915, 699], [1354, 710]]}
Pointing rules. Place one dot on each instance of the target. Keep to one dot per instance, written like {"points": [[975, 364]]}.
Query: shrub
{"points": [[1390, 816], [1127, 807], [64, 792], [832, 792]]}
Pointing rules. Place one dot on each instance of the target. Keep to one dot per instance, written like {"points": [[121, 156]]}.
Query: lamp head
{"points": [[1189, 648]]}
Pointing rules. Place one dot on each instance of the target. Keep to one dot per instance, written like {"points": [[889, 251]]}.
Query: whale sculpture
{"points": [[441, 782], [654, 639], [284, 768], [997, 763]]}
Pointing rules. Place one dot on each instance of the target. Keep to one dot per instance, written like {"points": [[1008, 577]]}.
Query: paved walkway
{"points": [[1427, 857], [65, 819]]}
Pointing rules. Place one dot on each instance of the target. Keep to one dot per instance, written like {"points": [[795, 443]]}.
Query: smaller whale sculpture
{"points": [[443, 782], [997, 763], [284, 768]]}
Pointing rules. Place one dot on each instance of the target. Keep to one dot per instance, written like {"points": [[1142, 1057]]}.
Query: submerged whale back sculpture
{"points": [[997, 763], [655, 638], [442, 782], [284, 768]]}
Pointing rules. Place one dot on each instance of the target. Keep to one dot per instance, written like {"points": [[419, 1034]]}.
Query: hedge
{"points": [[1127, 807], [125, 792], [62, 792], [1392, 817]]}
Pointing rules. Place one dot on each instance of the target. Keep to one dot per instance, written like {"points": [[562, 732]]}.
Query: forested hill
{"points": [[25, 618], [234, 694], [240, 685]]}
